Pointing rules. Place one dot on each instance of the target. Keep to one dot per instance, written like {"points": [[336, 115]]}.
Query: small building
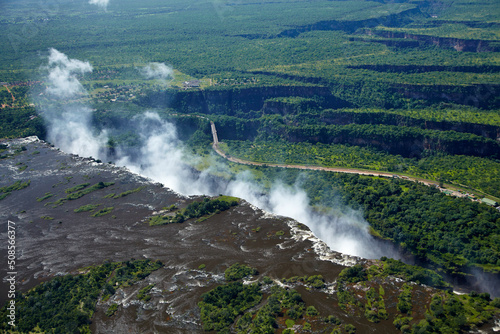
{"points": [[192, 84], [489, 202]]}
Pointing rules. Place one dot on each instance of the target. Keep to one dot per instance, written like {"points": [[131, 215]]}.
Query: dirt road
{"points": [[13, 98], [216, 148]]}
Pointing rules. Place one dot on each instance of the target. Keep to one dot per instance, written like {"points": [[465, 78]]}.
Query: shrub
{"points": [[238, 271], [311, 311]]}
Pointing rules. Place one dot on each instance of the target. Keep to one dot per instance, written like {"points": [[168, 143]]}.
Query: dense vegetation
{"points": [[447, 312], [196, 209], [67, 303], [220, 306], [463, 234], [21, 122]]}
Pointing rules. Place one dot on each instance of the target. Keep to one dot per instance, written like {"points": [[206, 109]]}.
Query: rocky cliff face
{"points": [[344, 118], [480, 95], [392, 20], [410, 145], [229, 101], [465, 45]]}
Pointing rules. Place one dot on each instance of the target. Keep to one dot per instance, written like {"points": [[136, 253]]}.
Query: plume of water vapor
{"points": [[62, 75], [161, 156], [158, 71], [101, 3], [71, 131], [346, 232], [69, 123], [244, 187]]}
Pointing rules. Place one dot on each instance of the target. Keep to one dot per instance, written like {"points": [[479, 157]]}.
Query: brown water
{"points": [[68, 241]]}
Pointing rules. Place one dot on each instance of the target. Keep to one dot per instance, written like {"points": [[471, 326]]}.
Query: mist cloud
{"points": [[101, 3], [69, 122], [62, 75], [345, 230], [157, 71], [71, 131], [161, 156]]}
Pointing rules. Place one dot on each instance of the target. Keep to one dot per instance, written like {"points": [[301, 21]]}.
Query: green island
{"points": [[198, 209]]}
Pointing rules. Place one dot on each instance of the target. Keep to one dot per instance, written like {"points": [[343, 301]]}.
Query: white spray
{"points": [[101, 3], [158, 71], [69, 129], [345, 231], [162, 156]]}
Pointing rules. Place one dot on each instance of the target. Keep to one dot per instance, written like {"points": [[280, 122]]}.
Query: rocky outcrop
{"points": [[466, 45], [236, 100], [427, 68], [392, 20], [344, 118], [480, 95]]}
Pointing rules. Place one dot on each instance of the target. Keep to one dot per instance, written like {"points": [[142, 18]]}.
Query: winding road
{"points": [[215, 146]]}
